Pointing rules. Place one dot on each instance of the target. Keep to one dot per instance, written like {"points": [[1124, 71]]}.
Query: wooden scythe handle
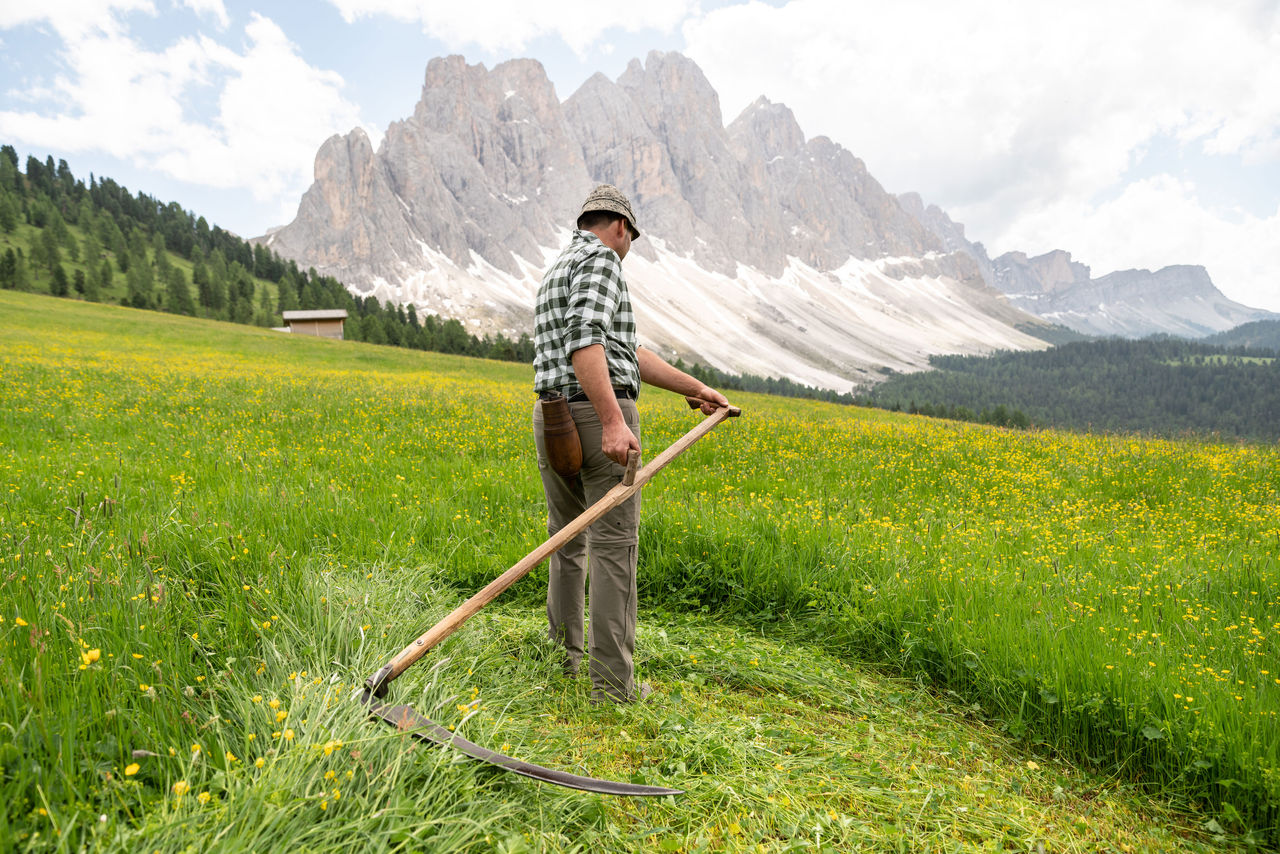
{"points": [[631, 484]]}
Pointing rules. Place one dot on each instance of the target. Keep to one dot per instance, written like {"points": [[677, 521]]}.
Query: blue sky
{"points": [[1132, 134]]}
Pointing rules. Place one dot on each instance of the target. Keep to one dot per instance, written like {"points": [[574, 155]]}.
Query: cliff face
{"points": [[467, 199], [1176, 300]]}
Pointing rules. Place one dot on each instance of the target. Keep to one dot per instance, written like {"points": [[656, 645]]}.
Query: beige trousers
{"points": [[604, 557]]}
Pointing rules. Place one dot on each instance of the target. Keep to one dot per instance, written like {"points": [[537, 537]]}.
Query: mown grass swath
{"points": [[209, 535]]}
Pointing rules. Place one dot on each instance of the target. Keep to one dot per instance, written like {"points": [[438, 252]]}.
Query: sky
{"points": [[1131, 133]]}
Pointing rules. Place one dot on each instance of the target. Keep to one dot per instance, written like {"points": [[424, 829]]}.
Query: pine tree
{"points": [[10, 209], [178, 293], [140, 283], [91, 250], [8, 269], [22, 274], [218, 280], [92, 283], [50, 253], [84, 215], [200, 278], [59, 287], [372, 329], [161, 255], [241, 310], [105, 279], [288, 294], [265, 314], [10, 178]]}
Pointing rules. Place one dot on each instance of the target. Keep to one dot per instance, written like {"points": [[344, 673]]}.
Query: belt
{"points": [[581, 397], [619, 393]]}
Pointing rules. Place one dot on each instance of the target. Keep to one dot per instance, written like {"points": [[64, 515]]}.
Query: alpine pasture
{"points": [[866, 631]]}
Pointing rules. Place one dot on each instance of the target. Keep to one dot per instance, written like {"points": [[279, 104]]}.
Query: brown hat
{"points": [[607, 197]]}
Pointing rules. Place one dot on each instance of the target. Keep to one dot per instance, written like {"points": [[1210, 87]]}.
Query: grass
{"points": [[211, 534]]}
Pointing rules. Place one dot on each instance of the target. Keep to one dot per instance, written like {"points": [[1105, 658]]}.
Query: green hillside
{"points": [[99, 243], [1159, 386], [866, 631], [1258, 334]]}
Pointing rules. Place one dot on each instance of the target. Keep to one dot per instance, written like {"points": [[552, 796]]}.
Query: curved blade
{"points": [[406, 719]]}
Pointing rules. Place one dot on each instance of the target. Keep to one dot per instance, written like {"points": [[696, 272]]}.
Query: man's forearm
{"points": [[655, 371], [592, 370]]}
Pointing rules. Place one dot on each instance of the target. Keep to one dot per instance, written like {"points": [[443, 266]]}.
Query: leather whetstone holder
{"points": [[564, 448]]}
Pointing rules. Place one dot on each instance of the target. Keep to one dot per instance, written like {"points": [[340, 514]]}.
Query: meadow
{"points": [[867, 631]]}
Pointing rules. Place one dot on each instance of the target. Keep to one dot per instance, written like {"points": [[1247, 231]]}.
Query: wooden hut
{"points": [[324, 323]]}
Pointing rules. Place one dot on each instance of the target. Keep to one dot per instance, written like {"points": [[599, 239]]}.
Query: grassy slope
{"points": [[232, 517]]}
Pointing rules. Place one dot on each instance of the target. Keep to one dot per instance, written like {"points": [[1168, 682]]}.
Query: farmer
{"points": [[585, 348]]}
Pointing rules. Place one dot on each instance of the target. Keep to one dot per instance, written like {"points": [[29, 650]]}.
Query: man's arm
{"points": [[657, 372], [593, 375]]}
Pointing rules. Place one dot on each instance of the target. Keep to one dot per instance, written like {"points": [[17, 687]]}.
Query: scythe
{"points": [[406, 719]]}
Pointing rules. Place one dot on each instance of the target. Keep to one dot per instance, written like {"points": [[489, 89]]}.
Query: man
{"points": [[585, 348]]}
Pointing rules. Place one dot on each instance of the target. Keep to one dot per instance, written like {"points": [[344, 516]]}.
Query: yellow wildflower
{"points": [[131, 769]]}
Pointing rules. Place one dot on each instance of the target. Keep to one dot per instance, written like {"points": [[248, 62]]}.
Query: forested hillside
{"points": [[1260, 333], [1160, 386], [98, 242]]}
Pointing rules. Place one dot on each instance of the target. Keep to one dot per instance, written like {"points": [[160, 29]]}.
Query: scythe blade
{"points": [[405, 719]]}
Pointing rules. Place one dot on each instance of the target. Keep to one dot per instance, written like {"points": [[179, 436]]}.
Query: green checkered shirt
{"points": [[582, 301]]}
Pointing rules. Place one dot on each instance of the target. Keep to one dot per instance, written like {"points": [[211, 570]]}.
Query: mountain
{"points": [[1176, 300], [763, 252]]}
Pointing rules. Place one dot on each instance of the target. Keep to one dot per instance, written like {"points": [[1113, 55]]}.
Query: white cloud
{"points": [[999, 111], [71, 18], [510, 25], [213, 8], [200, 111]]}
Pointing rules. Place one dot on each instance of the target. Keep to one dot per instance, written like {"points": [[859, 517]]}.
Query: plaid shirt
{"points": [[582, 301]]}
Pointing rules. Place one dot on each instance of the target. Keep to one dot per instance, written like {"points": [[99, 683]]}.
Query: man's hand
{"points": [[617, 441], [708, 400]]}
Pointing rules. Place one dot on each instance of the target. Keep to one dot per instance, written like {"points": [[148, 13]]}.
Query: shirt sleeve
{"points": [[594, 292]]}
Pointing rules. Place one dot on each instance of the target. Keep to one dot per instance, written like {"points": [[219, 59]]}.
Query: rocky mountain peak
{"points": [[771, 234], [671, 89], [769, 129], [1051, 273]]}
